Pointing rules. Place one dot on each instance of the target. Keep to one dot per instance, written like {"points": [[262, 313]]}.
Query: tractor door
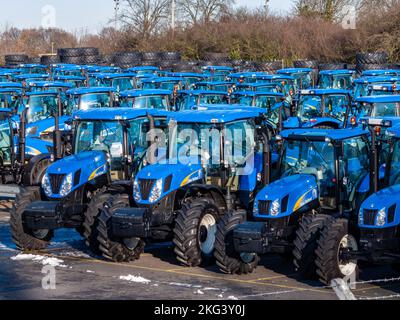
{"points": [[354, 167], [6, 143]]}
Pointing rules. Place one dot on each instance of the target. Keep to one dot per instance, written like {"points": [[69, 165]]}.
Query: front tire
{"points": [[306, 242], [228, 260], [195, 232], [24, 238], [335, 238], [116, 250]]}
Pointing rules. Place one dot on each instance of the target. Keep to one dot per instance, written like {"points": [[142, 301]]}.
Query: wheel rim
{"points": [[247, 257], [40, 233], [207, 233], [131, 243], [348, 242]]}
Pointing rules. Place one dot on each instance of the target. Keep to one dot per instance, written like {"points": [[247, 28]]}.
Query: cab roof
{"points": [[273, 77], [188, 75], [395, 130], [31, 76], [384, 87], [247, 74], [321, 134], [144, 92], [116, 113], [215, 83], [320, 92], [13, 85], [221, 115], [258, 93], [114, 75], [337, 72], [84, 90], [289, 71], [144, 68], [367, 80], [201, 92], [162, 79], [63, 77], [372, 73], [49, 84], [379, 99], [10, 90]]}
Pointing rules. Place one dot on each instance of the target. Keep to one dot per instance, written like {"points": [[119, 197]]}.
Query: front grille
{"points": [[263, 207], [56, 180], [145, 187], [369, 217]]}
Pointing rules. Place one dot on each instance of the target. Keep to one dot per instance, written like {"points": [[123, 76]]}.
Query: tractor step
{"points": [[43, 215]]}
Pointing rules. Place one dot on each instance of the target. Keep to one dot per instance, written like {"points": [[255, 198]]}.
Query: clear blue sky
{"points": [[79, 15]]}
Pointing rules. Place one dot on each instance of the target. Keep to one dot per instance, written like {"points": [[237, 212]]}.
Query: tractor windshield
{"points": [[5, 140], [312, 158], [384, 109], [107, 136], [268, 87], [120, 84], [302, 80], [41, 107], [266, 101], [160, 102], [95, 100], [310, 107], [340, 81], [193, 100]]}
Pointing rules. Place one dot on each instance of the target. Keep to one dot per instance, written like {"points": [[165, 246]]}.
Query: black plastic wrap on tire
{"points": [[170, 56], [16, 58], [363, 67], [128, 58], [372, 58], [312, 64], [48, 60], [78, 52], [332, 66]]}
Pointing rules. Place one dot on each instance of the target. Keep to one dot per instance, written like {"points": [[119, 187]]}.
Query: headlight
{"points": [[66, 186], [275, 208], [156, 191], [46, 186], [381, 218], [255, 208], [361, 218], [136, 192], [31, 130]]}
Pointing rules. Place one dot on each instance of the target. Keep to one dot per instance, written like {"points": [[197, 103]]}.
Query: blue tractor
{"points": [[304, 77], [361, 85], [323, 173], [336, 79], [144, 70], [223, 86], [245, 77], [208, 171], [146, 99], [76, 81], [256, 87], [109, 146], [380, 73], [39, 86], [186, 99], [217, 70], [163, 83], [322, 108], [119, 81], [33, 68], [376, 238], [378, 106]]}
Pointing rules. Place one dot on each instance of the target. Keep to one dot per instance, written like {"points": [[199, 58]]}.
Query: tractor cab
{"points": [[219, 71], [287, 82], [361, 85], [144, 70], [186, 99], [245, 77], [222, 86], [11, 98], [68, 70], [146, 99], [190, 78], [101, 69], [255, 87], [119, 81], [378, 106], [75, 81], [163, 83], [33, 68], [383, 90], [25, 78], [304, 78], [89, 98], [336, 79], [41, 86], [322, 108]]}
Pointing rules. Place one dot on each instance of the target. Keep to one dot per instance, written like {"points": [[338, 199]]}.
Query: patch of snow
{"points": [[186, 285], [135, 279], [90, 271], [212, 289], [199, 292], [220, 296], [54, 262], [232, 298]]}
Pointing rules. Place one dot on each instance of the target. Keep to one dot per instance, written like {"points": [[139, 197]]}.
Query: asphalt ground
{"points": [[157, 275]]}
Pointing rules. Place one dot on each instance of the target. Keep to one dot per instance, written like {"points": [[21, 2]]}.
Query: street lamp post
{"points": [[116, 8]]}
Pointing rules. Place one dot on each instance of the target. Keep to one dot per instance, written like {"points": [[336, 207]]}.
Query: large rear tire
{"points": [[306, 242], [116, 250], [24, 238], [228, 260], [335, 238], [195, 231]]}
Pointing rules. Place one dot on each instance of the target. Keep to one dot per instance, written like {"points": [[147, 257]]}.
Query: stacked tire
{"points": [[16, 59], [270, 67], [127, 59], [170, 60], [50, 59], [79, 55], [371, 61]]}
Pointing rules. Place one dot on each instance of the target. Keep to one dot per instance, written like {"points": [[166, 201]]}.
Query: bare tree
{"points": [[144, 17], [196, 11], [331, 10]]}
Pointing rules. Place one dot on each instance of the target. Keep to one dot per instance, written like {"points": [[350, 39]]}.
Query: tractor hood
{"points": [[385, 202], [80, 169], [286, 196], [36, 146], [170, 176], [35, 129]]}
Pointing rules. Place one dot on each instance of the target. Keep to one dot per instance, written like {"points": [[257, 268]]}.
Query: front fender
{"points": [[290, 193]]}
